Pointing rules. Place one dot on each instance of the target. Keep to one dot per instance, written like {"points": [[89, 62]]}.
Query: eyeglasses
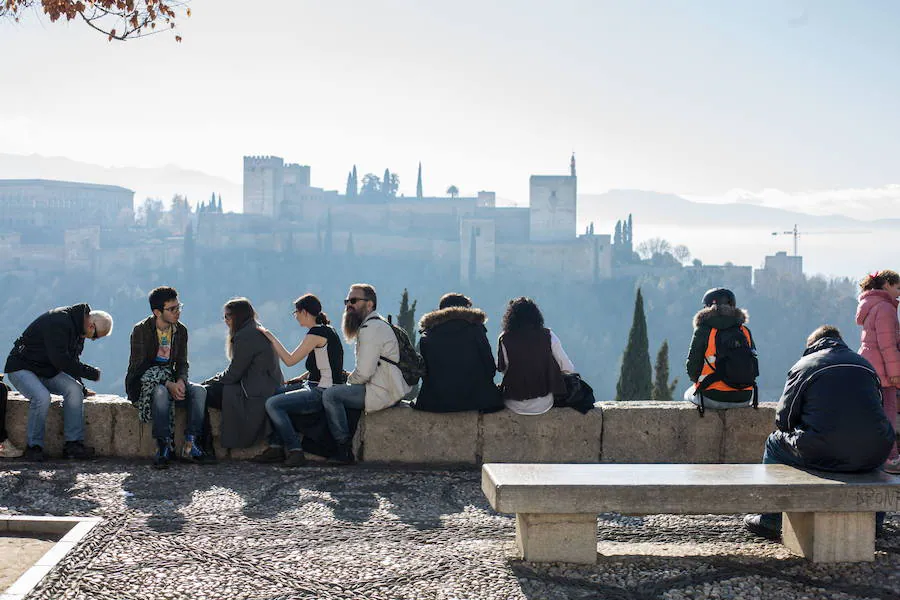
{"points": [[353, 301], [295, 312], [96, 333], [176, 308]]}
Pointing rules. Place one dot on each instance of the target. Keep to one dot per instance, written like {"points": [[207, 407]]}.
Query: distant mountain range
{"points": [[158, 182], [654, 208]]}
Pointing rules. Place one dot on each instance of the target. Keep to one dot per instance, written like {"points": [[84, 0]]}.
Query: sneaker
{"points": [[343, 456], [755, 525], [191, 452], [77, 450], [295, 458], [163, 454], [892, 466], [34, 454], [272, 454], [7, 450]]}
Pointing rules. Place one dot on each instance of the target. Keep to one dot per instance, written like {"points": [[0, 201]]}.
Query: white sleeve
{"points": [[560, 355]]}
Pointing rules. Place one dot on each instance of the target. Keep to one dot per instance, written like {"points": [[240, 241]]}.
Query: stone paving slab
{"points": [[239, 530]]}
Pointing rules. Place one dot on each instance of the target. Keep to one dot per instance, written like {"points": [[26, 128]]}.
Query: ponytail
{"points": [[879, 279], [322, 319]]}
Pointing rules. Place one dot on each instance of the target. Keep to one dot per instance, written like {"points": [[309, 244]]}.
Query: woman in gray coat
{"points": [[253, 375]]}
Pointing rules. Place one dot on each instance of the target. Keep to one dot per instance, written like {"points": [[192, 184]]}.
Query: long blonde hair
{"points": [[241, 312]]}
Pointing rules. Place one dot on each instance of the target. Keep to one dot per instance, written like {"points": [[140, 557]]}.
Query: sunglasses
{"points": [[353, 301], [176, 308], [96, 333]]}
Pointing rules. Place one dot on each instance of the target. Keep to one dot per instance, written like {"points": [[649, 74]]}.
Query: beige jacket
{"points": [[384, 382]]}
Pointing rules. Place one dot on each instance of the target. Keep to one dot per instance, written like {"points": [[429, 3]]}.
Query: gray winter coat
{"points": [[253, 376]]}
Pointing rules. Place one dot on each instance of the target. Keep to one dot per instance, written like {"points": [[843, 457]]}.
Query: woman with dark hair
{"points": [[253, 375], [324, 354], [531, 359]]}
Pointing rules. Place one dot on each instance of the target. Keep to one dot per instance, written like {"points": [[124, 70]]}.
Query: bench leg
{"points": [[830, 537], [557, 538]]}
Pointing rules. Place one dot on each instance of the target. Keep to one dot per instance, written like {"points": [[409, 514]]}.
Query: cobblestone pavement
{"points": [[239, 530]]}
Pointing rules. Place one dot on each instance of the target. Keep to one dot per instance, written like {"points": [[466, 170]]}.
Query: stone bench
{"points": [[828, 517]]}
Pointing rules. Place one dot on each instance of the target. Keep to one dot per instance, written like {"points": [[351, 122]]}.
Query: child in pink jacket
{"points": [[877, 314]]}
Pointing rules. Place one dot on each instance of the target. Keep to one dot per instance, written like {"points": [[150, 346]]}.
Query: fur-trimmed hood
{"points": [[721, 315], [453, 313]]}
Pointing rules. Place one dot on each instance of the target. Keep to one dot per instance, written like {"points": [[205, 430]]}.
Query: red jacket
{"points": [[877, 314]]}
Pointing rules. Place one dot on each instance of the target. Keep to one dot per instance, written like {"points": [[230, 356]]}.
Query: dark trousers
{"points": [[214, 391], [775, 454]]}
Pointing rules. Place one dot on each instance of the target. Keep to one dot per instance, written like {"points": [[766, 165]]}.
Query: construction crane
{"points": [[797, 233]]}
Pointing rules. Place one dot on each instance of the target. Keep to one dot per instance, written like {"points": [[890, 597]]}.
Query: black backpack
{"points": [[411, 363], [737, 365]]}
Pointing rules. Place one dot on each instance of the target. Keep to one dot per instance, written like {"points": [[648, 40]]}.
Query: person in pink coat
{"points": [[877, 314]]}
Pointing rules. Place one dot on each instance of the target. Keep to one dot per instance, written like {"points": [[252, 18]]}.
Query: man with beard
{"points": [[374, 384]]}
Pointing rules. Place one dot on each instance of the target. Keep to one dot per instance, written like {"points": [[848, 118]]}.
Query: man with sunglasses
{"points": [[157, 378], [46, 359], [374, 384]]}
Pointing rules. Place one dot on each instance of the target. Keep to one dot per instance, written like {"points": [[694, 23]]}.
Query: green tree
{"points": [[662, 389], [406, 318], [636, 376], [453, 191]]}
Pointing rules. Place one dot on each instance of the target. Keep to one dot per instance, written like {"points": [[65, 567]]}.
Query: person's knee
{"points": [[39, 398], [197, 392], [72, 389], [272, 403], [160, 395]]}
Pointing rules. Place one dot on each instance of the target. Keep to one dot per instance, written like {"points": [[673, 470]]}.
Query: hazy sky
{"points": [[693, 97]]}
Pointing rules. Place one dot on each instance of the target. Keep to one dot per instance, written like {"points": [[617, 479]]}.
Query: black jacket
{"points": [[52, 344], [718, 316], [459, 364], [144, 346], [830, 413]]}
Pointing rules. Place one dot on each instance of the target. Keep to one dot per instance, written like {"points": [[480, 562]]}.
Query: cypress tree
{"points": [[636, 376], [355, 187], [219, 210], [406, 318], [349, 192], [617, 237], [419, 183], [662, 389], [386, 183]]}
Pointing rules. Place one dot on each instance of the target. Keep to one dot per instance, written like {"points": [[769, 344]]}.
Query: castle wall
{"points": [[552, 202], [584, 260], [477, 247]]}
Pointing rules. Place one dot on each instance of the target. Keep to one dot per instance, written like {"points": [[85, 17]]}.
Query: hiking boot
{"points": [[343, 456], [295, 458], [757, 526], [7, 450], [271, 455], [163, 454], [892, 466], [191, 452], [34, 454], [78, 450]]}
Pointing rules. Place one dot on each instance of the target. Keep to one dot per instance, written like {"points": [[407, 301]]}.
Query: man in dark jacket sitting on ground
{"points": [[459, 363], [829, 418]]}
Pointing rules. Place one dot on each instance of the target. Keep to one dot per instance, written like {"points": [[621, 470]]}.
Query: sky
{"points": [[713, 100]]}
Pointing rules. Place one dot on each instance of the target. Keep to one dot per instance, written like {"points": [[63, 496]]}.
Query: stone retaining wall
{"points": [[613, 432]]}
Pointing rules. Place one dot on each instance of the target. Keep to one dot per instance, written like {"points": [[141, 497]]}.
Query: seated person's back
{"points": [[459, 362]]}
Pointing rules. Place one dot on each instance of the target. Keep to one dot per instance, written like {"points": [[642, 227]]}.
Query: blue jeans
{"points": [[775, 454], [37, 390], [336, 400], [195, 401], [298, 398]]}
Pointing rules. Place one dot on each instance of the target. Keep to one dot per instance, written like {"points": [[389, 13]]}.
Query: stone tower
{"points": [[263, 185], [553, 206]]}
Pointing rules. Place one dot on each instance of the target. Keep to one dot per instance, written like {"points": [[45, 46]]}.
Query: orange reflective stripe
{"points": [[709, 359]]}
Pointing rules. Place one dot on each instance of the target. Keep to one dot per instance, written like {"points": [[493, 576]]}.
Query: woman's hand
{"points": [[895, 381]]}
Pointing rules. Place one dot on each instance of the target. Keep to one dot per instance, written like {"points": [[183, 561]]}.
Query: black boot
{"points": [[163, 454], [343, 456], [77, 450]]}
